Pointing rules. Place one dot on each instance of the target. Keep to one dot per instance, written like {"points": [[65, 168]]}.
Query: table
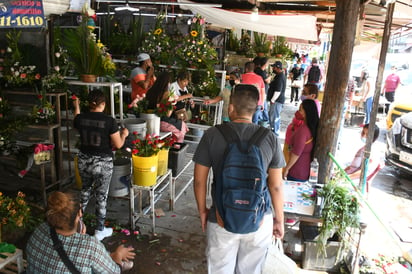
{"points": [[112, 86], [12, 257]]}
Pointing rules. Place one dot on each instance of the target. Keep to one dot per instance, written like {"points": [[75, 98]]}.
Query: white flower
{"points": [[9, 49], [57, 54], [57, 68]]}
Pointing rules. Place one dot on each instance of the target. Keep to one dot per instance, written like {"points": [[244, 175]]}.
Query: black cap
{"points": [[277, 64]]}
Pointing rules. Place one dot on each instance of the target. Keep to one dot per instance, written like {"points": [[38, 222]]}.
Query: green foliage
{"points": [[260, 43], [340, 210], [233, 43], [280, 47]]}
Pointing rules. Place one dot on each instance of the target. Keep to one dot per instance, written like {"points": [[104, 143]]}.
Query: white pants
{"points": [[229, 252]]}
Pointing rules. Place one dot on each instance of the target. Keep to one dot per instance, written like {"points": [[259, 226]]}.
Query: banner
{"points": [[22, 14]]}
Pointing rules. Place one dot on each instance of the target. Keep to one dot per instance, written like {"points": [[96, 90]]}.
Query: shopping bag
{"points": [[277, 262]]}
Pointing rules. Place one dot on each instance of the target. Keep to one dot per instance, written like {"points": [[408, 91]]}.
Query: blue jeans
{"points": [[257, 115], [274, 117], [368, 109]]}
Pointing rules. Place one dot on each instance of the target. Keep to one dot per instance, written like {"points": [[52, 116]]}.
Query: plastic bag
{"points": [[277, 262]]}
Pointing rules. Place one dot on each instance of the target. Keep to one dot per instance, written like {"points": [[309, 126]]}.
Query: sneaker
{"points": [[101, 234], [127, 265]]}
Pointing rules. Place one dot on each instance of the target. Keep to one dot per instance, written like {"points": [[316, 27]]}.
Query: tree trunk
{"points": [[344, 31]]}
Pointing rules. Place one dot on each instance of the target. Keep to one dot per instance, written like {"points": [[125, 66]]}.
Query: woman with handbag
{"points": [[160, 91], [61, 245], [179, 88]]}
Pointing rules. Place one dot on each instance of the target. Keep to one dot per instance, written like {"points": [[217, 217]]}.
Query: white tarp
{"points": [[293, 26]]}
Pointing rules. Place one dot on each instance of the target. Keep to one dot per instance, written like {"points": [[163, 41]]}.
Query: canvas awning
{"points": [[293, 26]]}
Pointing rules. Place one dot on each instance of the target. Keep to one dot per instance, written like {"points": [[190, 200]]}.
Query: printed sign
{"points": [[22, 14], [295, 200]]}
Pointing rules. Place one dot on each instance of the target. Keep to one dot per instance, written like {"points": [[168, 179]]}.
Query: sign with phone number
{"points": [[22, 14]]}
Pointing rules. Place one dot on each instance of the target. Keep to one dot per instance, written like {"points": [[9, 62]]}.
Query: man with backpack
{"points": [[247, 162], [314, 74]]}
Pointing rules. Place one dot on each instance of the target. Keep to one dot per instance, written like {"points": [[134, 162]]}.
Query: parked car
{"points": [[396, 111], [399, 144]]}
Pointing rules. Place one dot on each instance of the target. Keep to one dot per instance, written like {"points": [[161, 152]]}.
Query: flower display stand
{"points": [[11, 261]]}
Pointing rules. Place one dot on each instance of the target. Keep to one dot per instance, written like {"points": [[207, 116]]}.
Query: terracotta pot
{"points": [[88, 78]]}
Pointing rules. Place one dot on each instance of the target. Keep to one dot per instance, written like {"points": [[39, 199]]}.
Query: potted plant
{"points": [[88, 55], [261, 45], [339, 212], [233, 44], [145, 159], [280, 48]]}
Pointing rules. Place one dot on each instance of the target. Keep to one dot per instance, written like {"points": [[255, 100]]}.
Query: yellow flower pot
{"points": [[162, 162], [145, 170]]}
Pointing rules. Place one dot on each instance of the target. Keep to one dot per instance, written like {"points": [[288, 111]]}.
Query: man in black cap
{"points": [[276, 96]]}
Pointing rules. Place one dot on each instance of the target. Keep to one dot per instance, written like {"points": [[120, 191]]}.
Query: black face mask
{"points": [[232, 82]]}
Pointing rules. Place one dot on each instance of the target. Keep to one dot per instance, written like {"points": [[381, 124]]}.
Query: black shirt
{"points": [[278, 84]]}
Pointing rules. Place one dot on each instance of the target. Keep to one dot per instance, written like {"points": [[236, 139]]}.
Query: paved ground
{"points": [[178, 244]]}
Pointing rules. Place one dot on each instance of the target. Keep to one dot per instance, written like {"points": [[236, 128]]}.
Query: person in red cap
{"points": [[142, 77]]}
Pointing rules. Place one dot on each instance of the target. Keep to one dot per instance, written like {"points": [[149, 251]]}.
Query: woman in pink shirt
{"points": [[302, 143], [391, 84]]}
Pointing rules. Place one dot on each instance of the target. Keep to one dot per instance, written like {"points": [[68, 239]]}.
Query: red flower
{"points": [[40, 96], [74, 97], [23, 75], [37, 77]]}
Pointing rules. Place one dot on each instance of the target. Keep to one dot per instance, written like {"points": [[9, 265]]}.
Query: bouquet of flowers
{"points": [[54, 81], [22, 76], [44, 112], [14, 212], [194, 49], [165, 107], [168, 142], [157, 43], [147, 147]]}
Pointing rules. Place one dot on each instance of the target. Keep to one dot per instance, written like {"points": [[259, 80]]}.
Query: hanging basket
{"points": [[88, 78]]}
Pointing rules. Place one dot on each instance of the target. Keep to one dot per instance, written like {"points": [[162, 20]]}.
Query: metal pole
{"points": [[382, 61]]}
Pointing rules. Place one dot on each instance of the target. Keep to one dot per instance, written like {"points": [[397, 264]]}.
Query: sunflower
{"points": [[157, 31], [194, 33]]}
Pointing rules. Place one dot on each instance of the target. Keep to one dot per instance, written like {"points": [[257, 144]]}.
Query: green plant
{"points": [[280, 47], [14, 212], [88, 55], [233, 42], [147, 147], [260, 43], [340, 211]]}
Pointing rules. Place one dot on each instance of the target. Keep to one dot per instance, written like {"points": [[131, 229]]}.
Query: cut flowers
{"points": [[146, 147], [14, 212], [44, 112]]}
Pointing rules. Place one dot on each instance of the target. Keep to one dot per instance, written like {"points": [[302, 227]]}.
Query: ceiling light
{"points": [[254, 16], [127, 8]]}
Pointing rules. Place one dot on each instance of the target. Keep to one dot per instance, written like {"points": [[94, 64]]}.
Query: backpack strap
{"points": [[258, 137], [228, 133]]}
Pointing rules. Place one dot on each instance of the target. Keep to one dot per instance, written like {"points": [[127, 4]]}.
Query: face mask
{"points": [[232, 82], [363, 139], [299, 115], [304, 97]]}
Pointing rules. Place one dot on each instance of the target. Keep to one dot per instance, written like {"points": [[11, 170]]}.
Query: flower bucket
{"points": [[119, 185], [145, 170], [162, 162], [88, 78], [136, 124], [152, 123]]}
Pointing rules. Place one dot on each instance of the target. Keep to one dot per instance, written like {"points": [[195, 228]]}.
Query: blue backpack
{"points": [[241, 196]]}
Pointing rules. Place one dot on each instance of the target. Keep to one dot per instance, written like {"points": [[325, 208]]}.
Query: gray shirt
{"points": [[212, 146]]}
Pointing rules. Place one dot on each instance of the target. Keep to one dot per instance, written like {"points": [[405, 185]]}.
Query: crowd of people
{"points": [[252, 109]]}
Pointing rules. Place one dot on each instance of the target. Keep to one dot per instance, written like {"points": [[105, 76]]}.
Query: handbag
{"points": [[181, 114], [277, 262], [58, 246], [297, 83]]}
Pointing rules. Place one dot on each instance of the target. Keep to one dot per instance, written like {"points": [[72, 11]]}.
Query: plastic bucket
{"points": [[162, 162], [152, 123], [145, 170], [136, 124], [119, 185]]}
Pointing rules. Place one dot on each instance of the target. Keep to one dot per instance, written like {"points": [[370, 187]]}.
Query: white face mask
{"points": [[363, 139]]}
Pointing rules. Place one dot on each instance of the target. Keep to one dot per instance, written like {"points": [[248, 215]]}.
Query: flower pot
{"points": [[145, 170], [162, 162], [88, 78]]}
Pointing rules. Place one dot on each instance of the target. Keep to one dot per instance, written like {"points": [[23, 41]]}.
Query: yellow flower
{"points": [[157, 31], [99, 44], [199, 60], [193, 33], [188, 54], [200, 42]]}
